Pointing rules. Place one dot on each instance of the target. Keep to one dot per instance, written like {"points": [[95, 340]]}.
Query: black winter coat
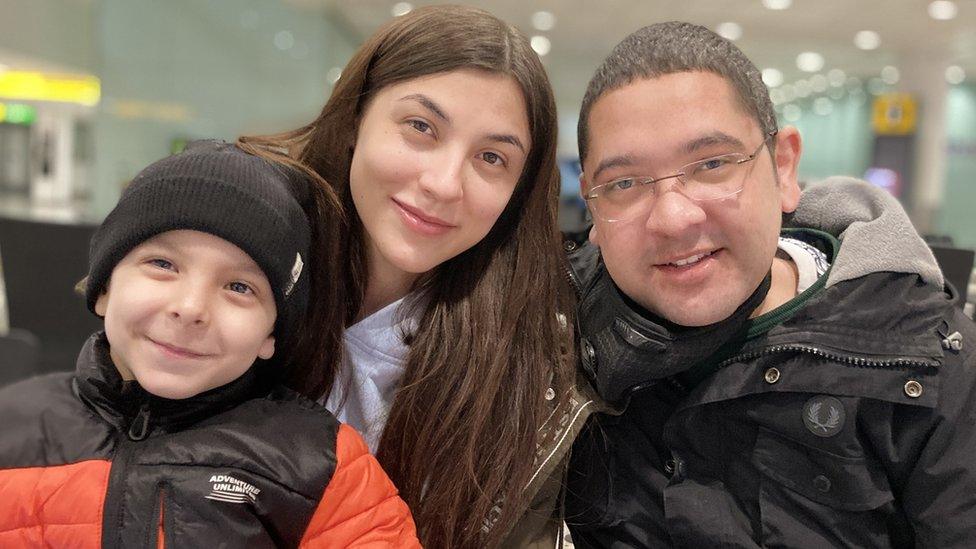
{"points": [[87, 460], [851, 424]]}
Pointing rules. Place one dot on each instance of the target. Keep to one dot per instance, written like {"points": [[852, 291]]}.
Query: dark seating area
{"points": [[19, 351], [957, 267], [42, 262]]}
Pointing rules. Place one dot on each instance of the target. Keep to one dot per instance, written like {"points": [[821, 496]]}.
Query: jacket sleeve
{"points": [[360, 507], [939, 490]]}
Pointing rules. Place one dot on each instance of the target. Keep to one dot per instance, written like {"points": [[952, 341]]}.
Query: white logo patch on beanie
{"points": [[296, 273]]}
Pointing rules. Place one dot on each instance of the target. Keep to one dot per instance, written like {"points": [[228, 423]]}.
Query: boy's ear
{"points": [[101, 304], [267, 348]]}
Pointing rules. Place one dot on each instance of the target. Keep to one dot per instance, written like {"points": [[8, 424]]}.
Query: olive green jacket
{"points": [[541, 524]]}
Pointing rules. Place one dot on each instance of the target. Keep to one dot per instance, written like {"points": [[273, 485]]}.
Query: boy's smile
{"points": [[186, 312]]}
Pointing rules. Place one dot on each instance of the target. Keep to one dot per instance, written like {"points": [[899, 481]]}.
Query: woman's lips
{"points": [[420, 222], [177, 351]]}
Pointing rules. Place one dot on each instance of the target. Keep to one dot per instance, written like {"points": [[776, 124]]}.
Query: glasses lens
{"points": [[620, 199], [715, 178]]}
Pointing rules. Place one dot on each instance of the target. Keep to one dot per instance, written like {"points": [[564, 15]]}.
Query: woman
{"points": [[439, 140]]}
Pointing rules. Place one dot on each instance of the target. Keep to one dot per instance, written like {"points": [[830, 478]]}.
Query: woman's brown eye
{"points": [[420, 126], [492, 158]]}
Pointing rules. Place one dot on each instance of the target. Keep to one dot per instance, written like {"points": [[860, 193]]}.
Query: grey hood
{"points": [[873, 225]]}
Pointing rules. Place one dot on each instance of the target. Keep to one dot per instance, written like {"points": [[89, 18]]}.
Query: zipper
{"points": [[836, 357], [568, 271], [127, 442], [816, 351]]}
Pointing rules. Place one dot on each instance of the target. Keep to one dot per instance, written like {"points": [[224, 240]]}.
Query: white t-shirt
{"points": [[810, 262], [371, 370]]}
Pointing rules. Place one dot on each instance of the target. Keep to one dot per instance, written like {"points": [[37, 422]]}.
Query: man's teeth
{"points": [[690, 260]]}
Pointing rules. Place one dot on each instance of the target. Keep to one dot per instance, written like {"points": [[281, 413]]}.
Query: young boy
{"points": [[168, 433]]}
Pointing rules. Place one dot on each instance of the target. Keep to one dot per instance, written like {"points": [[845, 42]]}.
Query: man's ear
{"points": [[101, 304], [267, 348], [789, 146], [594, 238]]}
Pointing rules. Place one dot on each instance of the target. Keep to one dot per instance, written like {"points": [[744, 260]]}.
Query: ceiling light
{"points": [[955, 74], [729, 31], [867, 40], [890, 74], [777, 4], [942, 10], [401, 8], [809, 61], [836, 77], [543, 20], [772, 77], [541, 45], [284, 40]]}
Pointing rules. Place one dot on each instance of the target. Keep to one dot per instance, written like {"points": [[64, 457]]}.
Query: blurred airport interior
{"points": [[93, 90]]}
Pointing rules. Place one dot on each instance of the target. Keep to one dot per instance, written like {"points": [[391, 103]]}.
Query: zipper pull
{"points": [[950, 342], [139, 427], [953, 342]]}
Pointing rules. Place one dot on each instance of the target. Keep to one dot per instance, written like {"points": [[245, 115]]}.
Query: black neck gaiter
{"points": [[625, 346]]}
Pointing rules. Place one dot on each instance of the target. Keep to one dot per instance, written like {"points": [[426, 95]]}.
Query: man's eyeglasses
{"points": [[713, 178]]}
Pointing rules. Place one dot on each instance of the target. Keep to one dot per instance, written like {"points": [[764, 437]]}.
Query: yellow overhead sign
{"points": [[894, 114], [37, 86]]}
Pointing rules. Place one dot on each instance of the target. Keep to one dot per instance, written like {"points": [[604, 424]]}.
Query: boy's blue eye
{"points": [[239, 287], [162, 264]]}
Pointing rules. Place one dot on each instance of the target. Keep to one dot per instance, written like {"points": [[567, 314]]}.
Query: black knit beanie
{"points": [[216, 188]]}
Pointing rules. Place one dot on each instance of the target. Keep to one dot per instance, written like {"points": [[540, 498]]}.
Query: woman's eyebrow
{"points": [[433, 107], [429, 104], [507, 138]]}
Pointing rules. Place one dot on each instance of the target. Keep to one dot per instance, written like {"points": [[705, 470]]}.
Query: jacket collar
{"points": [[625, 347], [99, 384]]}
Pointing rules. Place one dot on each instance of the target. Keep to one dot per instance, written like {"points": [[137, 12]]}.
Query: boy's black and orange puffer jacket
{"points": [[87, 460]]}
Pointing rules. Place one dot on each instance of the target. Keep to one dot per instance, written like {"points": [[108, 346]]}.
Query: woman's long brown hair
{"points": [[460, 440]]}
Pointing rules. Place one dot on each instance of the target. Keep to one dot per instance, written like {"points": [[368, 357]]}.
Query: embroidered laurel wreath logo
{"points": [[833, 417]]}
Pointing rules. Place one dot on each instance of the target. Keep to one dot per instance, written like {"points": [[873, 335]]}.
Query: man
{"points": [[773, 387]]}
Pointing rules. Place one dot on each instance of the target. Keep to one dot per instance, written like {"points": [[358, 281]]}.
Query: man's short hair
{"points": [[666, 48]]}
